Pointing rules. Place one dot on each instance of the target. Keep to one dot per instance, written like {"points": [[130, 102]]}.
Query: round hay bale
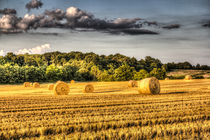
{"points": [[149, 86], [36, 85], [72, 82], [132, 83], [188, 77], [26, 84], [50, 87], [61, 88], [88, 88], [167, 78]]}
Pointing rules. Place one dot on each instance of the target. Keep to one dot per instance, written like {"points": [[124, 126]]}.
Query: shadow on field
{"points": [[177, 92], [108, 91]]}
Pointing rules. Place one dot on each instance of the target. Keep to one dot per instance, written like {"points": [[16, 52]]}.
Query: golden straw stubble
{"points": [[167, 78], [88, 88], [72, 82], [149, 86], [26, 84], [50, 86], [132, 83], [188, 77], [61, 88], [36, 85]]}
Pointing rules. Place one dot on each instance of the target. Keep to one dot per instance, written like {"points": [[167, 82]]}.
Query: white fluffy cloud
{"points": [[8, 22], [73, 12], [2, 53], [77, 17], [36, 50], [125, 22], [29, 21]]}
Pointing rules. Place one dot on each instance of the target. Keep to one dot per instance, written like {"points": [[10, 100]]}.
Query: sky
{"points": [[188, 43]]}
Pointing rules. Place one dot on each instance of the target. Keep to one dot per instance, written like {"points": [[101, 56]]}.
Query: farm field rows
{"points": [[113, 111]]}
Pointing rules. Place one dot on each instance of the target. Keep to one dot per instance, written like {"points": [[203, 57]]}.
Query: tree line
{"points": [[54, 66], [187, 65]]}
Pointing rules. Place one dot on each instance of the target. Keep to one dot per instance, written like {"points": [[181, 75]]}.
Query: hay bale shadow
{"points": [[176, 92], [108, 91]]}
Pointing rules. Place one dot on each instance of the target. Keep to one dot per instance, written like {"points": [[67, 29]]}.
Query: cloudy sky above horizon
{"points": [[188, 43]]}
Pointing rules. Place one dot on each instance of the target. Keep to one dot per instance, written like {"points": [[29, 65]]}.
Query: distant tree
{"points": [[124, 72], [84, 75], [54, 66], [2, 60], [205, 67], [69, 72], [30, 60], [159, 73], [91, 57], [10, 57], [34, 74], [198, 66], [95, 72], [141, 75], [152, 63], [105, 76], [20, 60], [54, 73]]}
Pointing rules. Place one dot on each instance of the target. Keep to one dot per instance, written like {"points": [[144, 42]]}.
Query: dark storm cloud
{"points": [[34, 4], [49, 22], [150, 23], [172, 26], [79, 18], [207, 24], [74, 18], [57, 14], [132, 31], [7, 11]]}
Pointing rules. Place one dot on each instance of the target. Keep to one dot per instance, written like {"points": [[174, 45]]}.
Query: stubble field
{"points": [[113, 111]]}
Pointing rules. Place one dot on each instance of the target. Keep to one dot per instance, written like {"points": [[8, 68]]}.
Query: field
{"points": [[204, 73], [113, 111]]}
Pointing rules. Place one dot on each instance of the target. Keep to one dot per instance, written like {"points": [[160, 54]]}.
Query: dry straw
{"points": [[61, 88], [27, 84], [167, 78], [132, 83], [72, 82], [50, 86], [149, 86], [36, 85], [88, 88], [188, 77]]}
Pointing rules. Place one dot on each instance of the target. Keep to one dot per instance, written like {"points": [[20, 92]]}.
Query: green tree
{"points": [[34, 74], [69, 72], [54, 73], [159, 73], [141, 75], [83, 75], [96, 72], [105, 76], [124, 73], [11, 73]]}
